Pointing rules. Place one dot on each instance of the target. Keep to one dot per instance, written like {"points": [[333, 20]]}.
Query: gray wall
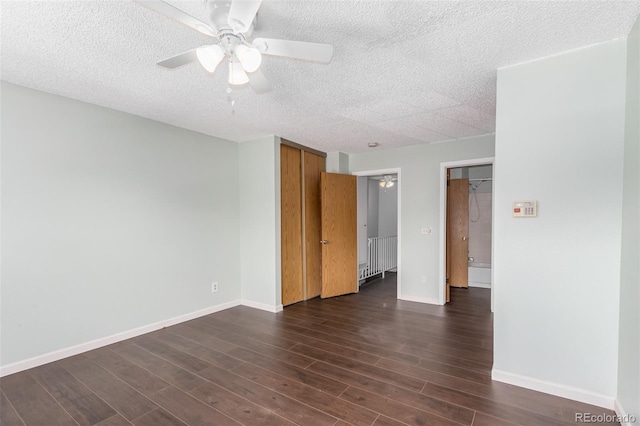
{"points": [[387, 210], [373, 201], [557, 276], [629, 345], [420, 204], [337, 162], [109, 222], [260, 223]]}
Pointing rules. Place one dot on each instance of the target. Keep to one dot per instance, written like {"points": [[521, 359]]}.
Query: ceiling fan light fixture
{"points": [[210, 56], [250, 58], [387, 182], [237, 76]]}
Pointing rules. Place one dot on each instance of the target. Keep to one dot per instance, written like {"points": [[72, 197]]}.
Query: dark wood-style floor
{"points": [[361, 359]]}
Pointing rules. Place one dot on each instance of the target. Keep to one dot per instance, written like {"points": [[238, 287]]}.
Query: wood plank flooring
{"points": [[365, 359]]}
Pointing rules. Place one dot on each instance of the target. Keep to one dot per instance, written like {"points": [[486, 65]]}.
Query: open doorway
{"points": [[379, 193], [466, 244]]}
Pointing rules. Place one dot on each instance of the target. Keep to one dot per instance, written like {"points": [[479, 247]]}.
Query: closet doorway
{"points": [[318, 227]]}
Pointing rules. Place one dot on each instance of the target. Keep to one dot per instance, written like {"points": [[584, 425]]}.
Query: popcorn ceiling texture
{"points": [[403, 72]]}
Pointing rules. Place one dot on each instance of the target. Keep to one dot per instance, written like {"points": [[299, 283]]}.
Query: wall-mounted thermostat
{"points": [[525, 208]]}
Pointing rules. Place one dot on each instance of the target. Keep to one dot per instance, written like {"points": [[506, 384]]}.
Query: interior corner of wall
{"points": [[343, 162], [337, 162]]}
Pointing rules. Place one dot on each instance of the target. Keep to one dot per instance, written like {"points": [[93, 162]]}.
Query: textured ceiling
{"points": [[403, 72]]}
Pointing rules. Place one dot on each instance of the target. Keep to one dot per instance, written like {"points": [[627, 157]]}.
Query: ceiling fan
{"points": [[231, 24], [388, 181]]}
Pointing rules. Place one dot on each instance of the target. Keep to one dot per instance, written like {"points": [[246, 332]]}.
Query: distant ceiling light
{"points": [[210, 56], [387, 182], [372, 144]]}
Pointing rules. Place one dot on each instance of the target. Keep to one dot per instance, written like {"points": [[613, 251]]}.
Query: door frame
{"points": [[485, 161], [392, 171]]}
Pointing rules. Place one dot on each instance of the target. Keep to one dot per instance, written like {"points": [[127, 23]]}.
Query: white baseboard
{"points": [[556, 389], [429, 300], [624, 417], [261, 306], [36, 361], [479, 284]]}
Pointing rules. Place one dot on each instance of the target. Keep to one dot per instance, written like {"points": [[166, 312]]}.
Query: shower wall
{"points": [[480, 213], [480, 227]]}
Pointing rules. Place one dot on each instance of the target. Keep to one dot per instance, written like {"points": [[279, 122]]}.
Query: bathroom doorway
{"points": [[467, 224]]}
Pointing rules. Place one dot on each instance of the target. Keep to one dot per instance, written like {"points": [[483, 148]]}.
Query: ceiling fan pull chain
{"points": [[231, 101]]}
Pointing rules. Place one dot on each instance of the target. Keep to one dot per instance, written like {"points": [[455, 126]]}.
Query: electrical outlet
{"points": [[427, 231], [214, 287], [424, 279]]}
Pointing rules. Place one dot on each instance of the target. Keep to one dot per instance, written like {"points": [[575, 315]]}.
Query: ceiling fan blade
{"points": [[177, 15], [258, 82], [242, 14], [317, 52], [180, 60]]}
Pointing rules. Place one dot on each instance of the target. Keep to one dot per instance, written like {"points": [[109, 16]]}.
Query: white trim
{"points": [[556, 389], [559, 53], [418, 299], [261, 306], [443, 220], [462, 138], [303, 217], [479, 284], [391, 171], [36, 361], [625, 418]]}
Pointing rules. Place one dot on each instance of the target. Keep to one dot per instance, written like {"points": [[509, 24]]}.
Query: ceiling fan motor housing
{"points": [[218, 16]]}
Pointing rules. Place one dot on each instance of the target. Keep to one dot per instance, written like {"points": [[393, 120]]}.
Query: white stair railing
{"points": [[382, 255]]}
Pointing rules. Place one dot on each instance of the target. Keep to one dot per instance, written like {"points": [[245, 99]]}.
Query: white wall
{"points": [[629, 345], [420, 165], [109, 222], [260, 223], [557, 277]]}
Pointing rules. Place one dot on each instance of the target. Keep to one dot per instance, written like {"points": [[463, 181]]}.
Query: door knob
{"points": [[464, 238], [324, 241]]}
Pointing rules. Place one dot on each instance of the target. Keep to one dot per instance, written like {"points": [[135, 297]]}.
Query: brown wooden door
{"points": [[458, 214], [339, 234], [291, 224], [313, 167], [448, 241]]}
